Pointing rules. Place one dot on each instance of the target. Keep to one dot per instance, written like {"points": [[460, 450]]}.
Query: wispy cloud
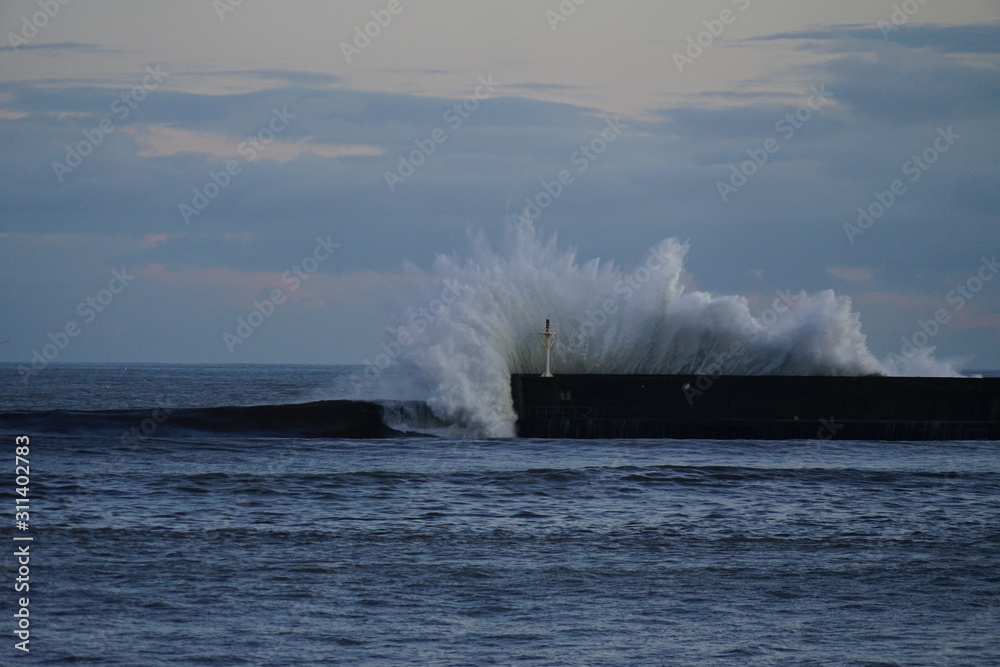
{"points": [[943, 38], [68, 47], [164, 141], [851, 274]]}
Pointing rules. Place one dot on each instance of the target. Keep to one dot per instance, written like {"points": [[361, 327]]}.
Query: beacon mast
{"points": [[549, 336]]}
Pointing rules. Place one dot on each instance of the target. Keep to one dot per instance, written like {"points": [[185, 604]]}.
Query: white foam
{"points": [[609, 321]]}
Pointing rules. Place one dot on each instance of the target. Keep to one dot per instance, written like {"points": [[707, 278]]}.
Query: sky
{"points": [[170, 169]]}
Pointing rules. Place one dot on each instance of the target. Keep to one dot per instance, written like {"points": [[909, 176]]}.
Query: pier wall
{"points": [[770, 407]]}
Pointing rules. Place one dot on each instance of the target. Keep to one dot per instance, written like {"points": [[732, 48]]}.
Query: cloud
{"points": [[941, 38], [325, 175], [950, 38], [543, 87], [164, 141], [241, 287], [68, 47], [288, 77], [908, 88], [853, 274]]}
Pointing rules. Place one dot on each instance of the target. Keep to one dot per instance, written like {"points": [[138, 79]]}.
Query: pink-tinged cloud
{"points": [[151, 240], [907, 301], [164, 141], [971, 315], [238, 288]]}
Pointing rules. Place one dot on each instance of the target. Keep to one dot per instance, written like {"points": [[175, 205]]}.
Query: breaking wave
{"points": [[463, 343], [318, 419]]}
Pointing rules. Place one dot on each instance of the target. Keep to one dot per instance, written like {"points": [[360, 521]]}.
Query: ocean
{"points": [[165, 531]]}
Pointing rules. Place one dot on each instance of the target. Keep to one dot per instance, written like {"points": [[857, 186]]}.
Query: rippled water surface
{"points": [[217, 549]]}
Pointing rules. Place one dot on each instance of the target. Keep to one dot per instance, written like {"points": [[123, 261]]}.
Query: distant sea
{"points": [[212, 540]]}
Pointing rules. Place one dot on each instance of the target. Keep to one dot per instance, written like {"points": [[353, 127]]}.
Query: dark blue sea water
{"points": [[173, 546]]}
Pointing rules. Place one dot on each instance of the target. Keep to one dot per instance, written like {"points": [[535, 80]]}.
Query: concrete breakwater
{"points": [[766, 407]]}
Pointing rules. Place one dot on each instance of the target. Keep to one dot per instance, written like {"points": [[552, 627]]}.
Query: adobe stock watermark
{"points": [[828, 429], [563, 11], [626, 288], [713, 30], [786, 127], [88, 310], [222, 179], [915, 167], [121, 109], [752, 330], [292, 279], [30, 27], [405, 335], [900, 16], [962, 294], [454, 116], [581, 158], [363, 35], [223, 7], [148, 426]]}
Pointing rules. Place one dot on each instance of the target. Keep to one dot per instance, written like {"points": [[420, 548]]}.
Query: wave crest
{"points": [[611, 321]]}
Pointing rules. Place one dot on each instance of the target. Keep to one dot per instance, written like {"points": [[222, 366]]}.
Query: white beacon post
{"points": [[549, 336]]}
